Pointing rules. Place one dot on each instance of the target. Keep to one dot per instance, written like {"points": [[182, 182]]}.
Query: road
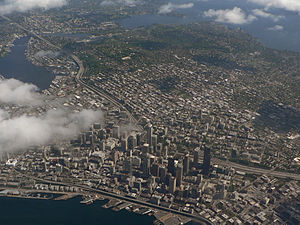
{"points": [[78, 77], [255, 170], [79, 80], [120, 197]]}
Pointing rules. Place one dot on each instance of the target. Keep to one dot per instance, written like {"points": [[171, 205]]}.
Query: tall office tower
{"points": [[132, 142], [94, 139], [186, 164], [171, 166], [102, 145], [155, 169], [138, 139], [116, 132], [206, 160], [115, 156], [154, 142], [162, 174], [124, 147], [145, 164], [179, 174], [128, 165], [196, 156], [165, 151], [97, 126], [168, 177], [151, 150], [83, 139], [124, 134], [172, 185], [159, 149], [102, 134], [149, 130], [145, 148]]}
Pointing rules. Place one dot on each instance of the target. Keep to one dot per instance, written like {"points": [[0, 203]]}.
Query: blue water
{"points": [[286, 39], [15, 65], [16, 211]]}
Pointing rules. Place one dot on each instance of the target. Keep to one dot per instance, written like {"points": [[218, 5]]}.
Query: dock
{"points": [[121, 206], [112, 203], [65, 197], [90, 199]]}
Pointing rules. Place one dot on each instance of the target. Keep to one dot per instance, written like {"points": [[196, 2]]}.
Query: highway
{"points": [[80, 81], [255, 170], [78, 77]]}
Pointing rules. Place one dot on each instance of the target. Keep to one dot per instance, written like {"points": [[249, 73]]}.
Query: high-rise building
{"points": [[145, 164], [96, 126], [115, 156], [179, 174], [162, 174], [149, 130], [186, 164], [206, 160], [102, 145], [165, 151], [196, 156], [155, 169], [154, 142], [102, 134], [138, 139], [128, 165], [145, 148], [171, 166], [172, 185], [124, 145], [132, 142], [116, 132], [168, 177]]}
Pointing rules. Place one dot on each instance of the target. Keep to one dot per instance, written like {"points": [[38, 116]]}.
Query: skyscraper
{"points": [[128, 165], [171, 166], [116, 132], [124, 145], [145, 164], [154, 142], [206, 160], [149, 130], [172, 185], [162, 174], [132, 142], [196, 156], [138, 139], [186, 164], [179, 174]]}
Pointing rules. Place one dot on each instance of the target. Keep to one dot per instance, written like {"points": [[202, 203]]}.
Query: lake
{"points": [[286, 39], [16, 65]]}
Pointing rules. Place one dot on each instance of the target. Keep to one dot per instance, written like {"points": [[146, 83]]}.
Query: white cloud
{"points": [[290, 5], [233, 16], [21, 132], [50, 54], [170, 7], [13, 91], [9, 6], [262, 13], [276, 28], [119, 2]]}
